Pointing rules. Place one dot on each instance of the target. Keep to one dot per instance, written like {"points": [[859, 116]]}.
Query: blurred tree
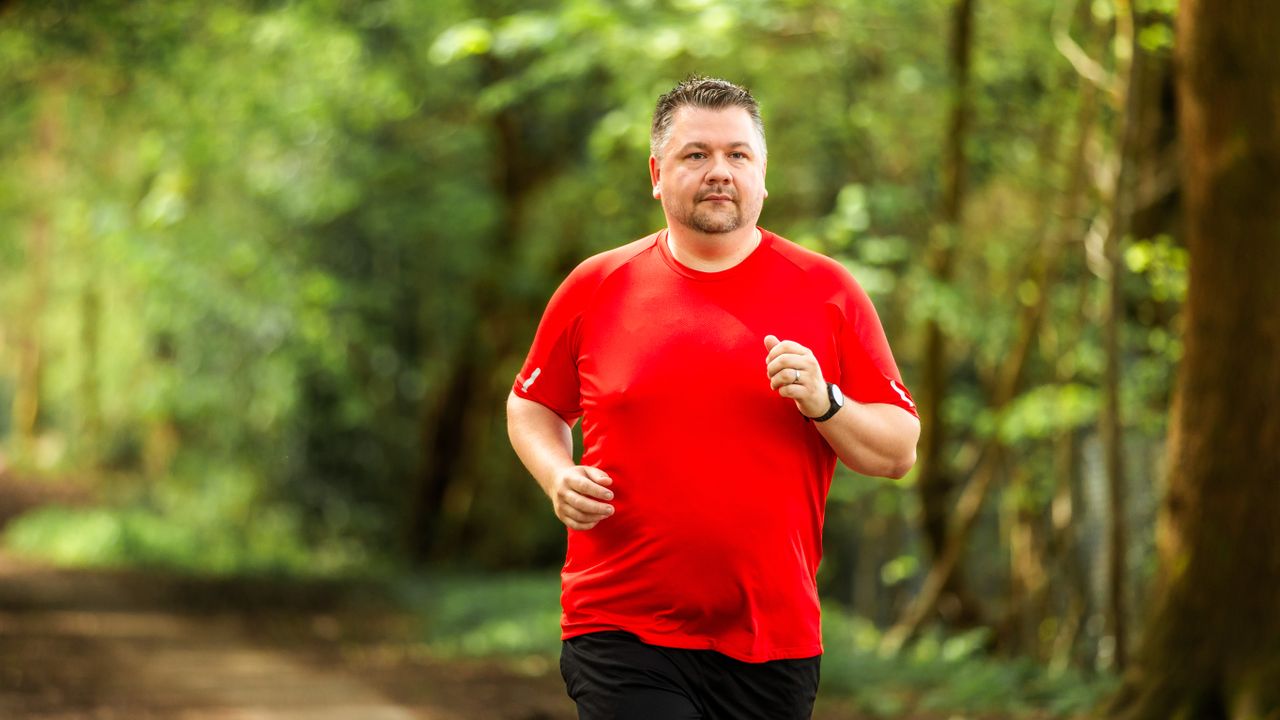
{"points": [[46, 171], [1210, 650], [1127, 85], [935, 478]]}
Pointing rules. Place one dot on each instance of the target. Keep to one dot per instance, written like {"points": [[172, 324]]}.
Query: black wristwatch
{"points": [[837, 401]]}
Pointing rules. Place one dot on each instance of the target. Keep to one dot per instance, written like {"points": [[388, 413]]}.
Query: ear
{"points": [[764, 170], [655, 177]]}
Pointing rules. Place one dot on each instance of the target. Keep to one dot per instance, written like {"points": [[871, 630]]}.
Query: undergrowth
{"points": [[518, 614]]}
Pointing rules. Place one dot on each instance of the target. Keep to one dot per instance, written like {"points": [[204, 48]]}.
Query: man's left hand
{"points": [[794, 372]]}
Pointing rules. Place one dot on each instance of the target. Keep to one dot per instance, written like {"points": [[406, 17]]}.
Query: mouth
{"points": [[717, 198]]}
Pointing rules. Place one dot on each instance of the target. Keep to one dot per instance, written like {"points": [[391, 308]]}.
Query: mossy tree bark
{"points": [[1212, 648]]}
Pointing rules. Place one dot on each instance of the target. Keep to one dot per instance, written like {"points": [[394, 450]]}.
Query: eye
{"points": [[696, 156], [738, 155]]}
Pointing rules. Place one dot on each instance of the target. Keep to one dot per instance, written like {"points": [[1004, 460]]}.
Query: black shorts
{"points": [[614, 676]]}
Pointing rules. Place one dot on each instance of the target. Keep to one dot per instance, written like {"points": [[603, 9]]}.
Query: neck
{"points": [[711, 252]]}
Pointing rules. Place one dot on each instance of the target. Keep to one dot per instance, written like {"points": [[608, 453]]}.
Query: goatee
{"points": [[705, 223]]}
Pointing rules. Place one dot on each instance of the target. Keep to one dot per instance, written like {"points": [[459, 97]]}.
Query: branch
{"points": [[1087, 67]]}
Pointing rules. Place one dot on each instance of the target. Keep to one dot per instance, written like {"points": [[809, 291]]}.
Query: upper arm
{"points": [[897, 432], [523, 412], [899, 420], [549, 376]]}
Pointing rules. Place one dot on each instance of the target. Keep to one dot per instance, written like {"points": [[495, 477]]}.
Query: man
{"points": [[709, 363]]}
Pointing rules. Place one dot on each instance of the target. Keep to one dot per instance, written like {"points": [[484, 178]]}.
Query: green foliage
{"points": [[474, 615], [1162, 264], [899, 569], [1048, 411], [213, 523], [518, 614], [944, 674], [136, 537]]}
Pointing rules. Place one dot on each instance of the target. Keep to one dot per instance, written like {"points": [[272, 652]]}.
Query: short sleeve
{"points": [[868, 373], [550, 373]]}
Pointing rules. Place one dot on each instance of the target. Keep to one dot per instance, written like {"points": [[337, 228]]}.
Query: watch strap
{"points": [[833, 409]]}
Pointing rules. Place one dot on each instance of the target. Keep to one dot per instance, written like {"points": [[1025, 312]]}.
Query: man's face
{"points": [[711, 175]]}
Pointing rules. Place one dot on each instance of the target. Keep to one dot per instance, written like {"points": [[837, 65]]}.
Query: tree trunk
{"points": [[25, 411], [1111, 426], [871, 543], [1061, 651], [1069, 568], [1211, 649], [90, 443], [935, 479], [449, 429], [1028, 579], [442, 437]]}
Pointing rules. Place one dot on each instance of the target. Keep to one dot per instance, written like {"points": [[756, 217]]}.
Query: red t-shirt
{"points": [[719, 483]]}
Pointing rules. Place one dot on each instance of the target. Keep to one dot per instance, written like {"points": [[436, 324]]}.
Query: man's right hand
{"points": [[576, 492]]}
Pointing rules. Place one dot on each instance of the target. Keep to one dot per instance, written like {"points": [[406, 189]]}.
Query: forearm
{"points": [[540, 438], [579, 495], [873, 439]]}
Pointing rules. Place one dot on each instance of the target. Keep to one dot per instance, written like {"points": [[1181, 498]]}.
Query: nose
{"points": [[719, 171]]}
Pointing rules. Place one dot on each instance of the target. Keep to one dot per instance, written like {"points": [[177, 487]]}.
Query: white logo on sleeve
{"points": [[893, 384], [532, 376]]}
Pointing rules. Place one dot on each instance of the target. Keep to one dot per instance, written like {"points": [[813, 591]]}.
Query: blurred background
{"points": [[268, 269]]}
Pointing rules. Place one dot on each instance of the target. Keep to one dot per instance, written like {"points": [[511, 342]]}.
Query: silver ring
{"points": [[797, 378]]}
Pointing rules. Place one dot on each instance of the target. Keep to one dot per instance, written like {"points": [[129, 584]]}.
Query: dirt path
{"points": [[108, 645], [123, 645]]}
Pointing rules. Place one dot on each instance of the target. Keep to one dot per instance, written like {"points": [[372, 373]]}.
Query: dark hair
{"points": [[702, 92]]}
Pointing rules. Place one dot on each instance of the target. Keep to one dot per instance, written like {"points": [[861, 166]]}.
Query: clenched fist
{"points": [[576, 493], [794, 374]]}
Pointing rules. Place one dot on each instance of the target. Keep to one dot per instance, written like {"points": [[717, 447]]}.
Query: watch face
{"points": [[836, 395]]}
